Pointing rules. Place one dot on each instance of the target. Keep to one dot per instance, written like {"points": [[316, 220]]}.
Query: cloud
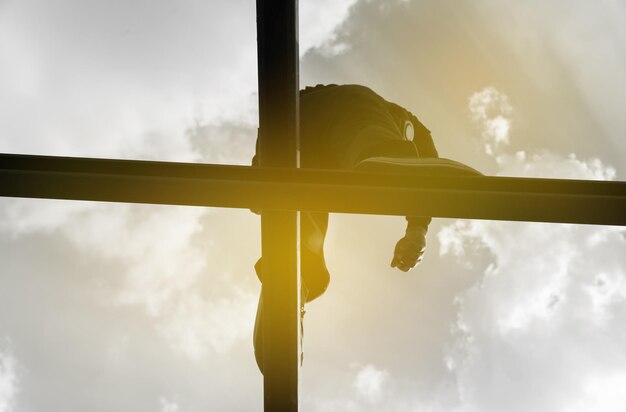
{"points": [[602, 393], [131, 84], [364, 388], [369, 383], [358, 388], [591, 55], [164, 252], [9, 381], [168, 405], [490, 111], [319, 21], [129, 80], [551, 165], [197, 324], [224, 142], [542, 322], [158, 81], [541, 330]]}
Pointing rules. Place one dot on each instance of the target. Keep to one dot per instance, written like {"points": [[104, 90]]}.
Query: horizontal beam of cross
{"points": [[494, 198]]}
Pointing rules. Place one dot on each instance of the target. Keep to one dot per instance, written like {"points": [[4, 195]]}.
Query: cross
{"points": [[281, 189]]}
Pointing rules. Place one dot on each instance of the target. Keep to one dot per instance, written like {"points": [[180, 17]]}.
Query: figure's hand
{"points": [[409, 250]]}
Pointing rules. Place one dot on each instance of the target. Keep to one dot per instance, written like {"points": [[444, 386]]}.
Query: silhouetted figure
{"points": [[340, 126]]}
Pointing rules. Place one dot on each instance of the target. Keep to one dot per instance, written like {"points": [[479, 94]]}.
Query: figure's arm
{"points": [[410, 249], [255, 163]]}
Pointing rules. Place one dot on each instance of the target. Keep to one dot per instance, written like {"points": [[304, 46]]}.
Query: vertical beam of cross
{"points": [[277, 37]]}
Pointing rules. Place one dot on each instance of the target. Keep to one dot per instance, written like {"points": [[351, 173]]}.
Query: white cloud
{"points": [[551, 165], [490, 111], [197, 324], [369, 383], [19, 217], [9, 382], [168, 405], [319, 21], [114, 80], [153, 242], [163, 265], [602, 393], [359, 387], [541, 330]]}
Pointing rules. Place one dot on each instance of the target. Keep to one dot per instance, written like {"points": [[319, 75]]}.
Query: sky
{"points": [[109, 307]]}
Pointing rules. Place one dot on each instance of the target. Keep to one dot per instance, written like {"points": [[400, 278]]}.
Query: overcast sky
{"points": [[110, 307]]}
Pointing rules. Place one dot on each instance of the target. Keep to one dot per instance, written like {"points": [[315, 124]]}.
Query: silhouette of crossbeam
{"points": [[280, 189], [193, 184]]}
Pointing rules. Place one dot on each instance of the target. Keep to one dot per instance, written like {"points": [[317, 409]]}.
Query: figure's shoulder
{"points": [[355, 90], [317, 89]]}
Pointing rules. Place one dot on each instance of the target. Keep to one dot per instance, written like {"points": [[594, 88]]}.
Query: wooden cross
{"points": [[281, 189]]}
